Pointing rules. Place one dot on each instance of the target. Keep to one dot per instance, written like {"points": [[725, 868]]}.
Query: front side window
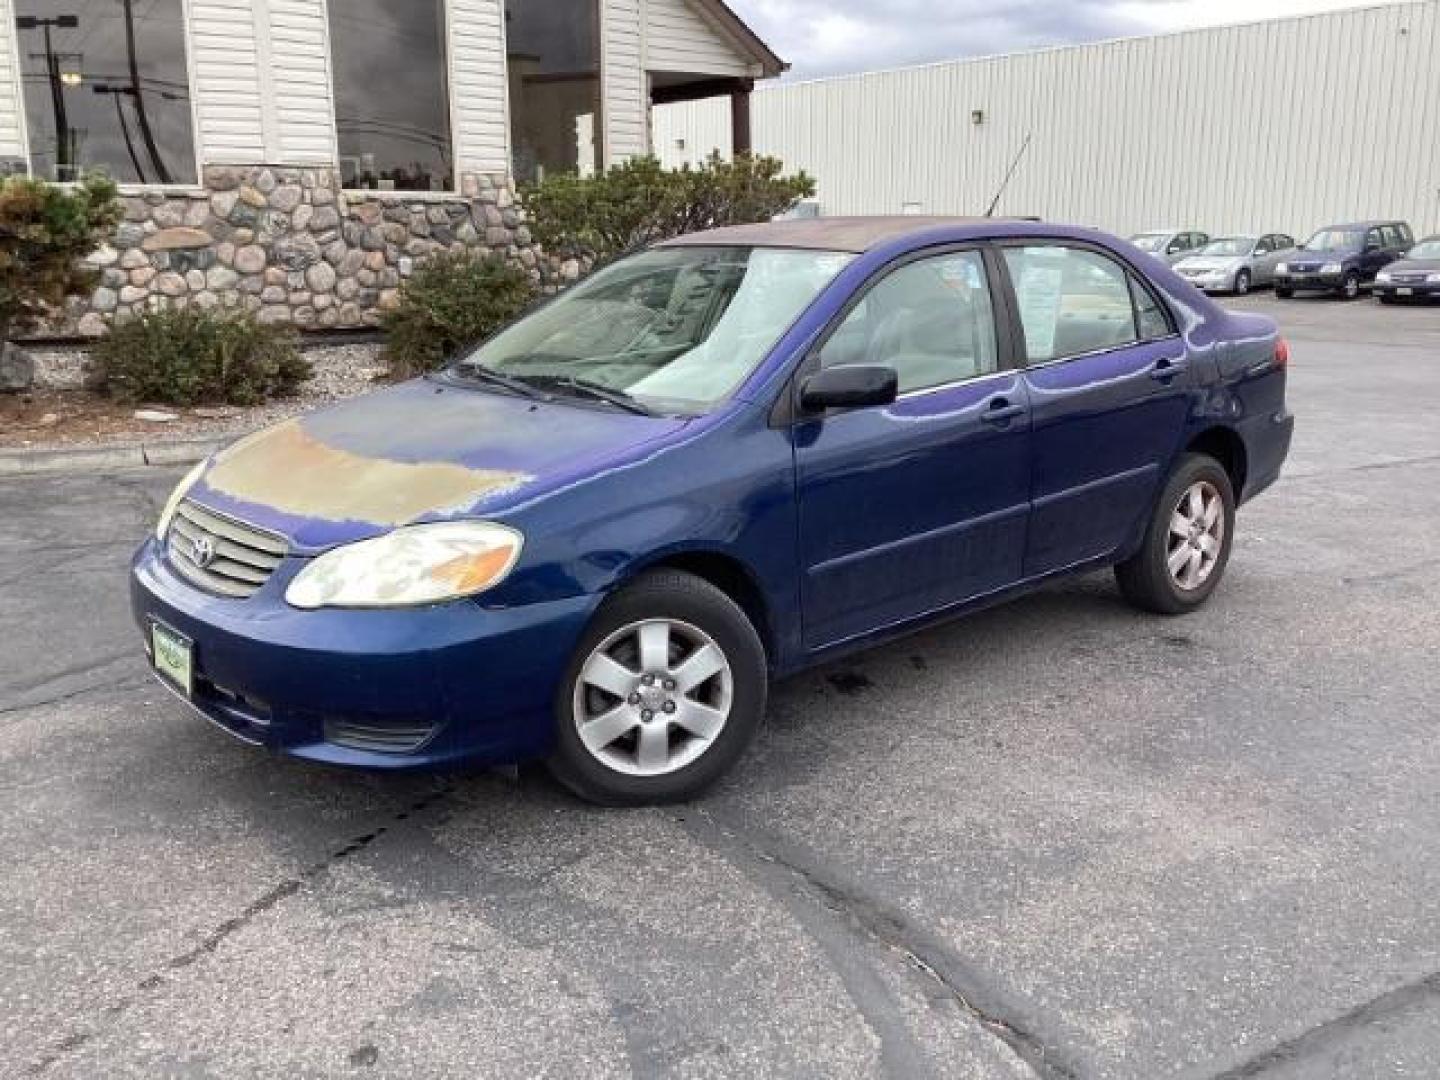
{"points": [[931, 320], [106, 89], [392, 111], [1072, 301], [674, 329]]}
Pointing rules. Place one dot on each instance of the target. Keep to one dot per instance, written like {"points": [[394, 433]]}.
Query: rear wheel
{"points": [[1350, 287], [665, 691], [1242, 283], [1187, 544]]}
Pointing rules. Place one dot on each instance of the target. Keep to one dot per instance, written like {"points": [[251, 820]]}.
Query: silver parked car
{"points": [[1236, 264], [1171, 245]]}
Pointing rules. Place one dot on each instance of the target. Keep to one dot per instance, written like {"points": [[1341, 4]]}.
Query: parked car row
{"points": [[1342, 260]]}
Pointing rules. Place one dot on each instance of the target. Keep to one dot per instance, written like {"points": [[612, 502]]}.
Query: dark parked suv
{"points": [[1342, 259]]}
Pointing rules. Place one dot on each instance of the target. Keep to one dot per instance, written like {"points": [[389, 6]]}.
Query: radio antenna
{"points": [[995, 202]]}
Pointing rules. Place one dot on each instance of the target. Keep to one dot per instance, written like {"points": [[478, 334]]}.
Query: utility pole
{"points": [[161, 172], [63, 141]]}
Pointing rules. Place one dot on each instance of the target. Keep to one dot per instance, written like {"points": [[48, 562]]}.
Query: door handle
{"points": [[1001, 411], [1168, 369]]}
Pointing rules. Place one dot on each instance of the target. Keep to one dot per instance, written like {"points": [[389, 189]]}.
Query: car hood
{"points": [[422, 451], [1414, 266], [1210, 262]]}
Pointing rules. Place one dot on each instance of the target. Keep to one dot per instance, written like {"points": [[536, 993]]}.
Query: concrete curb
{"points": [[94, 458]]}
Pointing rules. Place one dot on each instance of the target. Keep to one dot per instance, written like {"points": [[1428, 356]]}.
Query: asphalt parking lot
{"points": [[1056, 840]]}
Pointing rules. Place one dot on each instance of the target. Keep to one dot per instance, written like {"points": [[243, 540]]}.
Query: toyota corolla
{"points": [[597, 537]]}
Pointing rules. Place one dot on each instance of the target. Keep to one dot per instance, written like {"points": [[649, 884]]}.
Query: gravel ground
{"points": [[60, 412]]}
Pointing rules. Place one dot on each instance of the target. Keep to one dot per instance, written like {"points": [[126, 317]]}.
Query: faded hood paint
{"points": [[422, 451]]}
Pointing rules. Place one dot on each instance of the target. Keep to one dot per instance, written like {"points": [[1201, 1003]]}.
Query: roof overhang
{"points": [[746, 40]]}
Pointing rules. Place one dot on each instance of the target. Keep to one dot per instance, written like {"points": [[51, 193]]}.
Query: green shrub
{"points": [[189, 356], [640, 202], [451, 301], [45, 232]]}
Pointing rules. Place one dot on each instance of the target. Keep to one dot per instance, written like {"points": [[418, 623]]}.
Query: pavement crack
{"points": [[213, 939], [118, 683], [1008, 1020], [1331, 1035]]}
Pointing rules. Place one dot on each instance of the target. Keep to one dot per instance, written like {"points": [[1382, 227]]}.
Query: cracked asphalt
{"points": [[1056, 840]]}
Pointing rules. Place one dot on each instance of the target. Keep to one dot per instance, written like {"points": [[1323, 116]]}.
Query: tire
{"points": [[662, 742], [1284, 292], [1146, 579], [1350, 289], [1242, 282], [1387, 299]]}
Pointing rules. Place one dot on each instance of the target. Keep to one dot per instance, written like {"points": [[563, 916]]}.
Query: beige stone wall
{"points": [[291, 246]]}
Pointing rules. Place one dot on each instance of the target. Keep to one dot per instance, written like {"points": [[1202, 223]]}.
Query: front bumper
{"points": [[450, 685], [1408, 290], [1316, 280], [1218, 281]]}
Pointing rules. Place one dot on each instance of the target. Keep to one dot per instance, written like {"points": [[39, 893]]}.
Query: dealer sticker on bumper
{"points": [[172, 654]]}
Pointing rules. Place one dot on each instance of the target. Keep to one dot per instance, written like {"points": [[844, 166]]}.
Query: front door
{"points": [[1108, 385], [908, 508]]}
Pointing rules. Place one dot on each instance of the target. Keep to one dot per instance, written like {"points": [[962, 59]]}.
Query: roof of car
{"points": [[1365, 224], [853, 234]]}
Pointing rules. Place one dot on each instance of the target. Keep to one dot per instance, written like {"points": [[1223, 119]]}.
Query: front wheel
{"points": [[1350, 287], [1242, 283], [1187, 544], [1284, 292], [663, 694]]}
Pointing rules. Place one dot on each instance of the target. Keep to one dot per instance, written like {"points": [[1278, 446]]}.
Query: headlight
{"points": [[1384, 275], [1331, 268], [416, 565], [1282, 268], [172, 504]]}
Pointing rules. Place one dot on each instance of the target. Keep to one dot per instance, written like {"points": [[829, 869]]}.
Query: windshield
{"points": [[674, 329], [1335, 240], [1230, 245], [1426, 249], [1150, 241]]}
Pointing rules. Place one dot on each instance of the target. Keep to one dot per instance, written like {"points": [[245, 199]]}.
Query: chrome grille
{"points": [[222, 555]]}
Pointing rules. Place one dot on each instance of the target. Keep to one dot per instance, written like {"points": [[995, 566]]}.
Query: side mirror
{"points": [[849, 386]]}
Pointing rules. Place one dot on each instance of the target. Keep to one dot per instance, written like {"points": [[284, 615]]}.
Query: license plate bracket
{"points": [[174, 657]]}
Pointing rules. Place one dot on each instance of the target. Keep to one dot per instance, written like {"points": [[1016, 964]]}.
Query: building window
{"points": [[392, 99], [106, 89], [553, 63]]}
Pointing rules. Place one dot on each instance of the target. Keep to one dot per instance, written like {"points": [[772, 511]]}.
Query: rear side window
{"points": [[1074, 301], [931, 320]]}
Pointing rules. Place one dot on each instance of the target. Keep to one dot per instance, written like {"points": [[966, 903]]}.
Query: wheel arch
{"points": [[728, 574], [1225, 445]]}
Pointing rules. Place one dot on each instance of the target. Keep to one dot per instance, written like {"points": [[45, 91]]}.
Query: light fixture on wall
{"points": [[977, 117]]}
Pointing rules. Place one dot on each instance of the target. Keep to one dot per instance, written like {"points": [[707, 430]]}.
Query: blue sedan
{"points": [[597, 537]]}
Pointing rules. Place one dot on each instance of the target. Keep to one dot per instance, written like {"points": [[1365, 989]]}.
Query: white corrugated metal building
{"points": [[1280, 125]]}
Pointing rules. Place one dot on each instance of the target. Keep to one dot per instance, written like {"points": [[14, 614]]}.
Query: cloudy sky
{"points": [[833, 37]]}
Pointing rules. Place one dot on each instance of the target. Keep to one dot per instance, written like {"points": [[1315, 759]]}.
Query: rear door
{"points": [[1108, 380], [911, 507]]}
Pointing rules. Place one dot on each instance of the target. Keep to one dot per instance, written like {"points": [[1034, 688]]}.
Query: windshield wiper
{"points": [[489, 375], [586, 388]]}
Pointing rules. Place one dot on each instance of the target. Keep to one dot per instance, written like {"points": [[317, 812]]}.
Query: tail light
{"points": [[1282, 354]]}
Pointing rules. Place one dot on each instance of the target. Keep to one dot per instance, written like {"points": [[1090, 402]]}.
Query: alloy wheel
{"points": [[653, 697], [1197, 535]]}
